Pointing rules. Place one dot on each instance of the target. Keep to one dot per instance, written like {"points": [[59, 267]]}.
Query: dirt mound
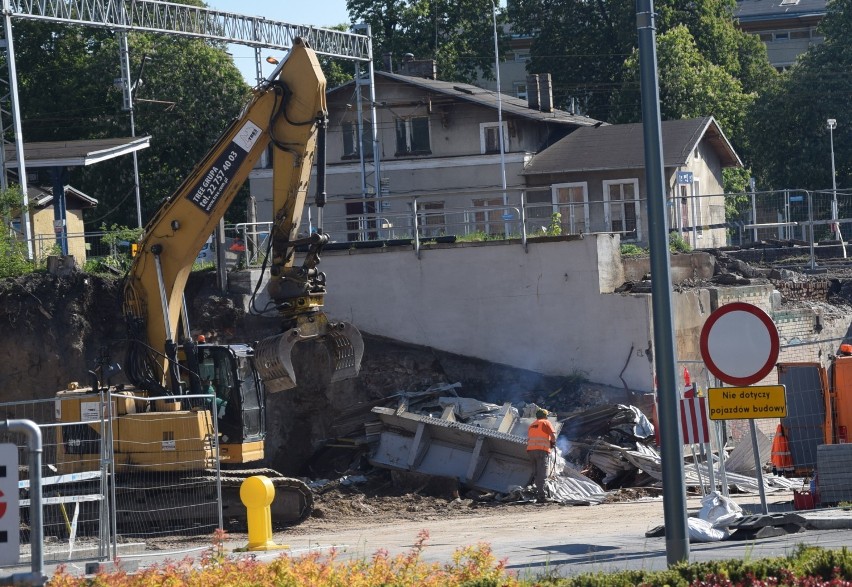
{"points": [[56, 328]]}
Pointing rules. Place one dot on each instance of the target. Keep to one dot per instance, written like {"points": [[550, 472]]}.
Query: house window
{"points": [[489, 221], [782, 36], [489, 138], [571, 200], [361, 221], [522, 56], [412, 136], [430, 216], [351, 146], [621, 208], [520, 90]]}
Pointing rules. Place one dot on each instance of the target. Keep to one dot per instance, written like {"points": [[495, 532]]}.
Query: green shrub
{"points": [[631, 250], [555, 228], [13, 250], [120, 254], [472, 566], [677, 244]]}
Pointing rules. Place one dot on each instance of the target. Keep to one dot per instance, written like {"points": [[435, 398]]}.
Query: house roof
{"points": [[75, 153], [476, 95], [621, 146], [42, 197], [753, 11]]}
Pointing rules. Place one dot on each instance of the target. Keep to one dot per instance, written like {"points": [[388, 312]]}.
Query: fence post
{"points": [[524, 221], [34, 446], [811, 224], [416, 230]]}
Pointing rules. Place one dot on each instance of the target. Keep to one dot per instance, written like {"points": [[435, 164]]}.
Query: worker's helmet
{"points": [[846, 349], [201, 338], [541, 413]]}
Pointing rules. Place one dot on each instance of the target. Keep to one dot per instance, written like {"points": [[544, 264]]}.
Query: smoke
{"points": [[564, 445]]}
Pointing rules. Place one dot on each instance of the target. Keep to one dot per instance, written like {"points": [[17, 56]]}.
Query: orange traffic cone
{"points": [[782, 460]]}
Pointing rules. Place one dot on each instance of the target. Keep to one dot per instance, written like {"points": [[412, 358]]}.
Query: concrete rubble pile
{"points": [[483, 446]]}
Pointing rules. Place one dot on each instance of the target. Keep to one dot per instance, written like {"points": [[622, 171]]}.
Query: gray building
{"points": [[787, 27], [595, 178], [441, 169], [439, 142]]}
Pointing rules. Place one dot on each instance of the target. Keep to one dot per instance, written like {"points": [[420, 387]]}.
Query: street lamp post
{"points": [[494, 8], [835, 212]]}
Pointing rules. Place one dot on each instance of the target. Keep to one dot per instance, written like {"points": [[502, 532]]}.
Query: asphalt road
{"points": [[562, 540], [546, 539]]}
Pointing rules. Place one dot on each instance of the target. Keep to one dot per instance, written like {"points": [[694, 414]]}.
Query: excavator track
{"points": [[293, 503]]}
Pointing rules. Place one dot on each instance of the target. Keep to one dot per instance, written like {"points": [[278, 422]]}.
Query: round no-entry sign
{"points": [[739, 344]]}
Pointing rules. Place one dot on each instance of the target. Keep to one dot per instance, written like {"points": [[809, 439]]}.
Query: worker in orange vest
{"points": [[782, 460], [541, 438]]}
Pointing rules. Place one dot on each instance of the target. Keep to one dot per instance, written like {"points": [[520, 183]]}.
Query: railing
{"points": [[806, 218]]}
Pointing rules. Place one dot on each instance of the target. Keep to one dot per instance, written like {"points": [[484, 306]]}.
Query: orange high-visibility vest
{"points": [[540, 434], [782, 460]]}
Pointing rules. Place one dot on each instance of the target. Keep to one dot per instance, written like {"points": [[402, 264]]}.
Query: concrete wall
{"points": [[551, 310], [529, 310]]}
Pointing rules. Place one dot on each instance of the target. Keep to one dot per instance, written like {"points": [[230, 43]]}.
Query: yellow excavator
{"points": [[286, 115]]}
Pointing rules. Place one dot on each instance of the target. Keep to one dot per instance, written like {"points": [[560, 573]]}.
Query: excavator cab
{"points": [[228, 375]]}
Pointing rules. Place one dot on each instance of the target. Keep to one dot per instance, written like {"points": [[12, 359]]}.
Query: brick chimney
{"points": [[545, 93], [532, 91], [425, 68]]}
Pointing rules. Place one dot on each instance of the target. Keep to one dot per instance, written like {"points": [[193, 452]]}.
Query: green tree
{"points": [[585, 44], [788, 134], [13, 251], [458, 35], [189, 91], [690, 85]]}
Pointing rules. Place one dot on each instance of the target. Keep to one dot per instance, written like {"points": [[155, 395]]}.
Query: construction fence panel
{"points": [[74, 508], [162, 464], [806, 216], [165, 467]]}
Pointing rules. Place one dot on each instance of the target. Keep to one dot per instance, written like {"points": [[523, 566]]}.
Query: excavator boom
{"points": [[287, 111]]}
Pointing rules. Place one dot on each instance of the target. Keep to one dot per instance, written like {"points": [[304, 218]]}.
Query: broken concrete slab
{"points": [[479, 457]]}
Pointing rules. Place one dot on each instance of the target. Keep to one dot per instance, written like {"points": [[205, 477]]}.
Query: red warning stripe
{"points": [[694, 421]]}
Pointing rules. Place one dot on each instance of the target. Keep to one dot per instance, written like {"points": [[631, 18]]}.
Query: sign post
{"points": [[739, 345], [10, 514]]}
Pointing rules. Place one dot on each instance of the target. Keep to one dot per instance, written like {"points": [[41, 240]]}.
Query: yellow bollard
{"points": [[257, 494]]}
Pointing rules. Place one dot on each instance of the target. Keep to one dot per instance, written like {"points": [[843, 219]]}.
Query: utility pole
{"points": [[671, 449]]}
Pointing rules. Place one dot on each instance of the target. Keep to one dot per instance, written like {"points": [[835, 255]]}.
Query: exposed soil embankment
{"points": [[54, 328]]}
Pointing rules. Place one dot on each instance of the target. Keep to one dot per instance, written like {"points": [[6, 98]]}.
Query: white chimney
{"points": [[545, 93]]}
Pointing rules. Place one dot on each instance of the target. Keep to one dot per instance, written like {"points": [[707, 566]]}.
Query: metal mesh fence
{"points": [[74, 508], [157, 477], [165, 471], [814, 427]]}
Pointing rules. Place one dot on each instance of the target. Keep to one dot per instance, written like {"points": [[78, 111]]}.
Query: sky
{"points": [[322, 13]]}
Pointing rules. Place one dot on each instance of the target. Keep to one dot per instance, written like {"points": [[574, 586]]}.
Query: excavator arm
{"points": [[287, 111]]}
